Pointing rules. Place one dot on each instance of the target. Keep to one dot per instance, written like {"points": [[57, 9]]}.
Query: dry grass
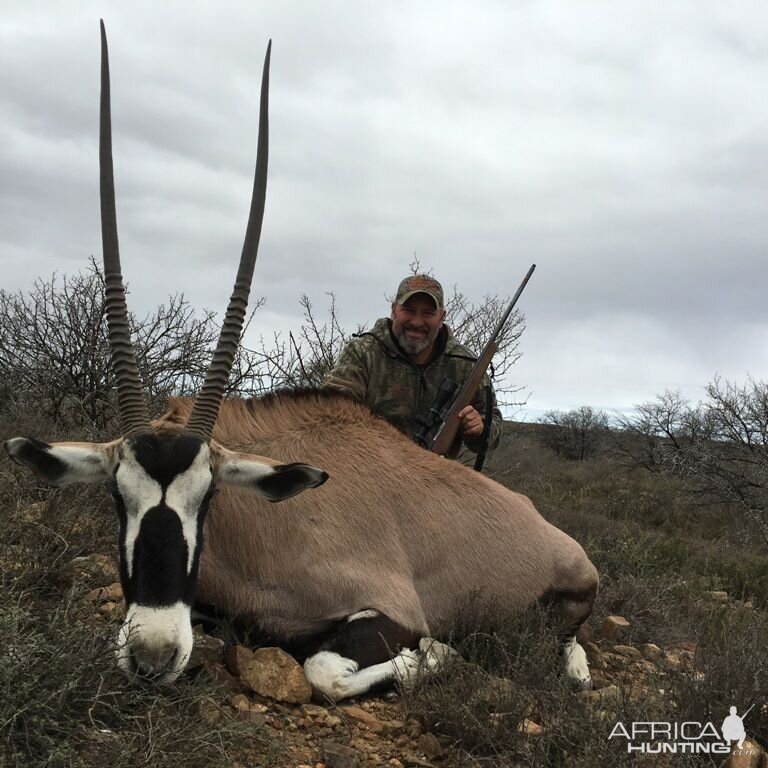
{"points": [[62, 702]]}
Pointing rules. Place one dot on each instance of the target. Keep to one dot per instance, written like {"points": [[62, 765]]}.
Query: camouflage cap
{"points": [[420, 284]]}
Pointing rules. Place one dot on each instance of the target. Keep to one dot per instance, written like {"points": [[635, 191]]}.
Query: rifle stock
{"points": [[446, 434]]}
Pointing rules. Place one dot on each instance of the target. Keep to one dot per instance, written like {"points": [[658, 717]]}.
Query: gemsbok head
{"points": [[162, 479]]}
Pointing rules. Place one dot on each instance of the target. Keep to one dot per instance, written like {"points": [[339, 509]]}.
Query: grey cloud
{"points": [[621, 149]]}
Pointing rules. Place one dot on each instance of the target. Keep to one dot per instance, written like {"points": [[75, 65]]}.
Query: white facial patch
{"points": [[184, 495], [155, 642], [140, 493]]}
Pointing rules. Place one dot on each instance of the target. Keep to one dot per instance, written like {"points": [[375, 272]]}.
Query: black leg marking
{"points": [[370, 640]]}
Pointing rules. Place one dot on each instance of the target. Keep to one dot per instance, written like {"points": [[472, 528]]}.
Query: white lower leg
{"points": [[576, 666], [339, 678]]}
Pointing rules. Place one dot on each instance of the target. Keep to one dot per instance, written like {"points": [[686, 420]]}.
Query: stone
{"points": [[239, 701], [676, 660], [338, 756], [254, 713], [585, 634], [599, 679], [205, 649], [429, 745], [413, 728], [417, 762], [112, 611], [219, 674], [615, 627], [34, 513], [112, 593], [594, 656], [277, 675], [313, 710], [236, 657], [603, 698], [651, 652], [98, 570], [210, 711], [717, 596], [627, 651], [361, 717], [749, 756], [530, 728]]}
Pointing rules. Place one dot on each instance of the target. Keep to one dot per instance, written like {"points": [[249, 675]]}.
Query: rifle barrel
{"points": [[502, 322]]}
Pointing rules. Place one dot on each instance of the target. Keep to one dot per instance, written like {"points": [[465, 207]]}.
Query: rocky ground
{"points": [[267, 687]]}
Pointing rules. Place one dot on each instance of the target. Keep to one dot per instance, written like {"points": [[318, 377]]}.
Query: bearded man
{"points": [[397, 367]]}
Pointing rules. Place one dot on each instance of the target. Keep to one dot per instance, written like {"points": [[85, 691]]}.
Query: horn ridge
{"points": [[130, 393], [206, 406]]}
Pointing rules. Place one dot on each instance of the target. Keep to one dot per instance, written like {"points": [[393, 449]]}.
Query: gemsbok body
{"points": [[363, 571]]}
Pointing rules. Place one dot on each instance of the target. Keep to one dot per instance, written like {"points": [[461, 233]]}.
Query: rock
{"points": [[34, 513], [615, 627], [112, 593], [413, 728], [585, 634], [361, 717], [98, 570], [678, 659], [417, 762], [205, 649], [429, 746], [749, 756], [112, 611], [604, 698], [338, 756], [594, 656], [391, 727], [255, 713], [219, 674], [599, 679], [530, 728], [313, 710], [717, 596], [239, 702], [651, 652], [276, 675], [236, 657], [210, 711], [627, 651]]}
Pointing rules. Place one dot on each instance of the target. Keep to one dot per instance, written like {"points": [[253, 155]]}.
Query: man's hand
{"points": [[470, 422]]}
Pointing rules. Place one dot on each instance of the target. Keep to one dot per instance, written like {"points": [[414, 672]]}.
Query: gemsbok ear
{"points": [[268, 479], [64, 463]]}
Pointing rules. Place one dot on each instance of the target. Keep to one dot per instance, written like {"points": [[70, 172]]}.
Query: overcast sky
{"points": [[621, 146]]}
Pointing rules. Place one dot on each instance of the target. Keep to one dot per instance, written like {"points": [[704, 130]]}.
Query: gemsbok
{"points": [[363, 570]]}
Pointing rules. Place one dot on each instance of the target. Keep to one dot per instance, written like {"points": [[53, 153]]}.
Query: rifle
{"points": [[448, 414]]}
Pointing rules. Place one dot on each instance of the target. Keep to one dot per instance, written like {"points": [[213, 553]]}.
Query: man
{"points": [[397, 367]]}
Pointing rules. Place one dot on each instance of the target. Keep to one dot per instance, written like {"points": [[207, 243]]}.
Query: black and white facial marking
{"points": [[162, 484], [162, 489]]}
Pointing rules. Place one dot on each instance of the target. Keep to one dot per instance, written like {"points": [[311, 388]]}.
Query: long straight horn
{"points": [[130, 394], [206, 407]]}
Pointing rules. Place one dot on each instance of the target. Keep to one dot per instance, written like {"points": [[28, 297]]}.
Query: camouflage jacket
{"points": [[374, 369]]}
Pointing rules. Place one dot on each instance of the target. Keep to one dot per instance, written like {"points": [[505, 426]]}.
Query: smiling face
{"points": [[415, 325], [162, 484]]}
